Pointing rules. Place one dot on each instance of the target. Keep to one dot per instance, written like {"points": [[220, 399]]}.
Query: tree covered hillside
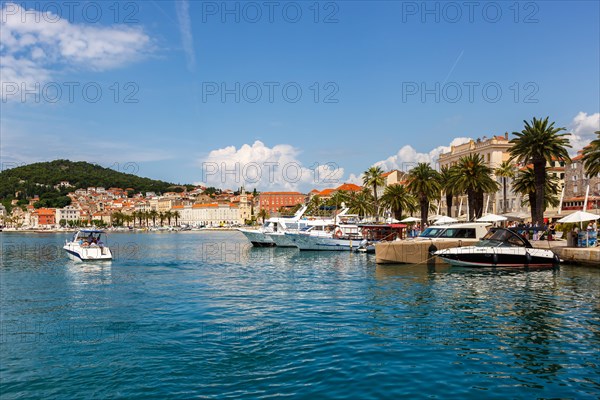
{"points": [[40, 178]]}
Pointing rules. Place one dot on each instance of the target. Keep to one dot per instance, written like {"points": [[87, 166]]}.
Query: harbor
{"points": [[322, 200], [202, 307]]}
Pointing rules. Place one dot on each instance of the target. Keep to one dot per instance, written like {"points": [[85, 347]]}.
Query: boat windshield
{"points": [[461, 233], [501, 237], [89, 237], [431, 232]]}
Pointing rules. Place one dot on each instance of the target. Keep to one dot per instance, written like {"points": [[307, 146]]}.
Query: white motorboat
{"points": [[344, 235], [260, 237], [87, 245], [500, 248]]}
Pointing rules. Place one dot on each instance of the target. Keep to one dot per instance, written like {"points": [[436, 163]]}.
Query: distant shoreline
{"points": [[112, 231]]}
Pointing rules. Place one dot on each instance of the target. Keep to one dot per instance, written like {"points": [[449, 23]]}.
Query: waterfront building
{"points": [[68, 213], [243, 203], [208, 214], [494, 151], [392, 177], [576, 183], [44, 218], [273, 201]]}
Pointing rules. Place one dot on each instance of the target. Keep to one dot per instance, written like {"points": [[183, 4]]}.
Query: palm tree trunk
{"points": [[424, 212], [504, 192], [398, 213], [539, 169], [449, 204], [532, 203], [479, 209], [375, 203], [472, 203]]}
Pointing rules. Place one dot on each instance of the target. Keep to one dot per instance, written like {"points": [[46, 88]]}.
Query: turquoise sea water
{"points": [[204, 315]]}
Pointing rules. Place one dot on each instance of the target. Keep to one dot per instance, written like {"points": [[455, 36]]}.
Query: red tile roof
{"points": [[349, 187], [326, 192], [279, 193]]}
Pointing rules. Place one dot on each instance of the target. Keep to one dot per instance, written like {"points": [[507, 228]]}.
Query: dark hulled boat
{"points": [[500, 248]]}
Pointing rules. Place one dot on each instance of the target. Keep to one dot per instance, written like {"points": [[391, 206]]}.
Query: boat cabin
{"points": [[382, 232], [472, 230]]}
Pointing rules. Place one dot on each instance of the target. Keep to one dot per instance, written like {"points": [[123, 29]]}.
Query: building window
{"points": [[575, 189]]}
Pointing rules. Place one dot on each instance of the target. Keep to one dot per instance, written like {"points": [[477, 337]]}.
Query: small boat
{"points": [[500, 248], [87, 245], [377, 233]]}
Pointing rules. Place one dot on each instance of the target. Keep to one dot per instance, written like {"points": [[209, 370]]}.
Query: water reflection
{"points": [[89, 273]]}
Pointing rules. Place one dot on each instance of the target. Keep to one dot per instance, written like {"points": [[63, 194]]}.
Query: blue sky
{"points": [[381, 82]]}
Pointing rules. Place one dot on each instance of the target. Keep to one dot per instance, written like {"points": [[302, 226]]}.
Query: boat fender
{"points": [[555, 261], [495, 260], [338, 233], [528, 259]]}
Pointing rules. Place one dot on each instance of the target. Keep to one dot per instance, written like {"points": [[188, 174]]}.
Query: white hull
{"points": [[77, 252], [307, 242], [282, 240], [257, 238]]}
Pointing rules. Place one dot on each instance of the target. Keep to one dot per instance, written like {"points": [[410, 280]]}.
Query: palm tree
{"points": [[263, 214], [161, 217], [505, 170], [314, 205], [153, 214], [127, 219], [337, 199], [176, 214], [446, 180], [540, 142], [361, 203], [524, 183], [141, 215], [591, 157], [117, 218], [398, 199], [374, 177], [168, 216], [424, 183], [146, 216], [471, 176]]}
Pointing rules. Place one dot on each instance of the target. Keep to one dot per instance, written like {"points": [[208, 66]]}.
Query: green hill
{"points": [[40, 178]]}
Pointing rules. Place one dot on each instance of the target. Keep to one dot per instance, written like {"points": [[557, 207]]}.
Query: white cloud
{"points": [[182, 7], [407, 157], [582, 130], [36, 45], [266, 168]]}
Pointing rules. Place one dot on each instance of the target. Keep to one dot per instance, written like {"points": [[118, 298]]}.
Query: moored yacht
{"points": [[344, 235], [500, 248], [260, 237], [87, 245]]}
